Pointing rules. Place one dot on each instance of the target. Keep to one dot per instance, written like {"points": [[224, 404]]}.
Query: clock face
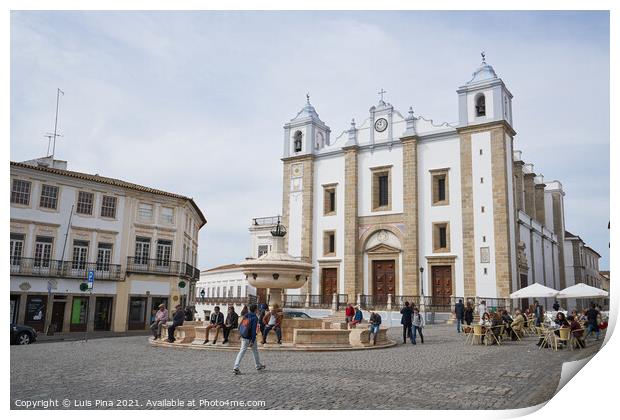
{"points": [[381, 124]]}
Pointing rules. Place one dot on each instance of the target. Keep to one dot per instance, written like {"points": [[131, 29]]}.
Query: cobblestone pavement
{"points": [[441, 374]]}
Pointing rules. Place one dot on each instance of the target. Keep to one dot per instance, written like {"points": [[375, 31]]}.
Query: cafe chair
{"points": [[574, 342], [563, 337], [477, 335]]}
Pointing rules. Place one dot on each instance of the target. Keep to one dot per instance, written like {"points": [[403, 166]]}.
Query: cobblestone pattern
{"points": [[441, 374]]}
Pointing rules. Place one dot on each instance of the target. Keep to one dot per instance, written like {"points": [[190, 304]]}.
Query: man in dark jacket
{"points": [[249, 341], [375, 324], [459, 312], [539, 313], [405, 320], [593, 315], [177, 321], [232, 322], [216, 321]]}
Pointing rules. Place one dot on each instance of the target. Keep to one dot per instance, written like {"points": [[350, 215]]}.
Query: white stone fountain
{"points": [[276, 270]]}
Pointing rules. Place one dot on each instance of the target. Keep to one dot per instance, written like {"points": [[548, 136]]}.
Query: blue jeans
{"points": [[417, 330], [245, 343], [458, 325], [595, 328], [272, 327]]}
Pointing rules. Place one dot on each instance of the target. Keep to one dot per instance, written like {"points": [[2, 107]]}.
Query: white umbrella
{"points": [[535, 290], [581, 290]]}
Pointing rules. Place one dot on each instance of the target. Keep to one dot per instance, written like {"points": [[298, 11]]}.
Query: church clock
{"points": [[381, 124]]}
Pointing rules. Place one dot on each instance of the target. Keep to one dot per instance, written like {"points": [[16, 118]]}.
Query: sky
{"points": [[195, 102]]}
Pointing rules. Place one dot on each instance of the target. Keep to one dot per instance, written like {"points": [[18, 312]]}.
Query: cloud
{"points": [[194, 102]]}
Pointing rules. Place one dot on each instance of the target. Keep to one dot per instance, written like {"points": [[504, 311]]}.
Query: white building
{"points": [[582, 266], [141, 244]]}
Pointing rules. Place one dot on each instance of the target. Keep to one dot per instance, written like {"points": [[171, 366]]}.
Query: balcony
{"points": [[162, 267], [224, 301], [38, 267]]}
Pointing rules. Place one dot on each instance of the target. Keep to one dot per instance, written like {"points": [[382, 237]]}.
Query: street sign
{"points": [[91, 278]]}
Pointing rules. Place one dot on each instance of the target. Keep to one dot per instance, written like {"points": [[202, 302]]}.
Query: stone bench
{"points": [[360, 337], [233, 337], [320, 337], [184, 334]]}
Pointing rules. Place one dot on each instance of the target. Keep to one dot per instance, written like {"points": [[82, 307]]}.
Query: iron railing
{"points": [[41, 267], [260, 221], [320, 301], [378, 302], [223, 301], [162, 267], [294, 301]]}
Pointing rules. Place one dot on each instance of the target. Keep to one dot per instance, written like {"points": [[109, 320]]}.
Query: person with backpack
{"points": [[418, 324], [273, 321], [375, 324], [405, 321], [216, 321], [247, 333]]}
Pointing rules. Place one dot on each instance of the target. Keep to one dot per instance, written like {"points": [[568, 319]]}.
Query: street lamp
{"points": [[421, 281]]}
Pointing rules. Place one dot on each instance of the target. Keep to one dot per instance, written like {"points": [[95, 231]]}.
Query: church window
{"points": [[381, 191], [329, 243], [484, 238], [297, 141], [480, 105], [441, 237], [482, 209], [485, 271], [481, 180], [329, 199], [262, 250], [439, 188]]}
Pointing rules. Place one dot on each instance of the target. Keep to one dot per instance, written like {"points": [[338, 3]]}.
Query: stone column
{"points": [[517, 170], [467, 208], [411, 280], [539, 202], [530, 200], [501, 212], [351, 283], [335, 302], [307, 304]]}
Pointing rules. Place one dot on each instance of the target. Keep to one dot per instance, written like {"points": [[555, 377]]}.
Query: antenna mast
{"points": [[58, 92]]}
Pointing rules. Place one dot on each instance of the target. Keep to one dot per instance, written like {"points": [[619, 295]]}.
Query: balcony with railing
{"points": [[162, 267], [41, 267], [265, 221]]}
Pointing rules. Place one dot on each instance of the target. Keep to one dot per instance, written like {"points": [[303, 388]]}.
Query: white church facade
{"points": [[400, 206]]}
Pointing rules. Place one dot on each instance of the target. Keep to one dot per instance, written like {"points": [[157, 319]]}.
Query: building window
{"points": [[108, 206], [329, 243], [104, 256], [482, 209], [17, 248], [85, 203], [297, 141], [43, 251], [480, 105], [439, 188], [167, 215], [49, 197], [238, 291], [481, 180], [262, 250], [329, 200], [20, 193], [143, 249], [230, 291], [381, 191], [80, 255], [164, 251], [218, 292], [441, 237], [145, 211]]}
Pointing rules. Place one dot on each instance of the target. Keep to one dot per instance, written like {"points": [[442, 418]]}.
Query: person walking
{"points": [[375, 324], [244, 310], [592, 315], [405, 320], [418, 324], [273, 321], [247, 333], [482, 309], [459, 312], [539, 313], [161, 317], [232, 322], [177, 320], [469, 314], [216, 321]]}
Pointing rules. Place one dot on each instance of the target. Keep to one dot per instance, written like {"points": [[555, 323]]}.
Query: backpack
{"points": [[245, 330]]}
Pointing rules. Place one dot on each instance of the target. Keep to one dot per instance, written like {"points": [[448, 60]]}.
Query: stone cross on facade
{"points": [[381, 92], [483, 54]]}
